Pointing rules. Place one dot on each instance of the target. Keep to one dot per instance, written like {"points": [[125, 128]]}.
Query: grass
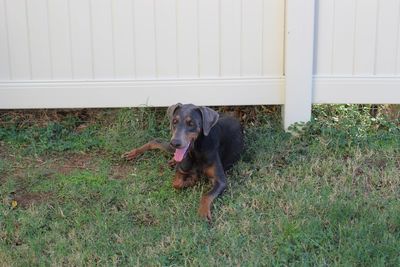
{"points": [[329, 196]]}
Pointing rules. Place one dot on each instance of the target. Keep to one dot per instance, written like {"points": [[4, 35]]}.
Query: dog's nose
{"points": [[176, 143]]}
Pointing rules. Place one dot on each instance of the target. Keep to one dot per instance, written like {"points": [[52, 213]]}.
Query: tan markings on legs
{"points": [[182, 180], [205, 207], [191, 180], [217, 177], [206, 200], [177, 183], [211, 172]]}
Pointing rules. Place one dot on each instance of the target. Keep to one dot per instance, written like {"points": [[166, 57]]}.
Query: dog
{"points": [[202, 143]]}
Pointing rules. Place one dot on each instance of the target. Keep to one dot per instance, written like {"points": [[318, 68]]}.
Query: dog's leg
{"points": [[154, 144], [183, 180], [217, 175]]}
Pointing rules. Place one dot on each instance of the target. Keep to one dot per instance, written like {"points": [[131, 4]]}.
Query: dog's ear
{"points": [[170, 113], [210, 118], [171, 110]]}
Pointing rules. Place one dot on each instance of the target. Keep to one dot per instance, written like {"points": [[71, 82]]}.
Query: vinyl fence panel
{"points": [[121, 53]]}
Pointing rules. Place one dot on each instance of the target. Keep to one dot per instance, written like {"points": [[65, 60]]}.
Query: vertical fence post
{"points": [[299, 56]]}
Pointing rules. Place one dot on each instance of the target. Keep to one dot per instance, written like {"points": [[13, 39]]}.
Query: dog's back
{"points": [[231, 144]]}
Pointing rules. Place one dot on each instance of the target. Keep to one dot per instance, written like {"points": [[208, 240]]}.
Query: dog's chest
{"points": [[198, 158]]}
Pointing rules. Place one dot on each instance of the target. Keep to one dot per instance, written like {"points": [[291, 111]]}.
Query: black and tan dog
{"points": [[203, 143]]}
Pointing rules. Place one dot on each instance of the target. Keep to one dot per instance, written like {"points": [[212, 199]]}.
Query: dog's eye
{"points": [[175, 121], [190, 123]]}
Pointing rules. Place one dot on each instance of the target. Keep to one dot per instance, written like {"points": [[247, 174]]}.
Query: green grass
{"points": [[329, 196]]}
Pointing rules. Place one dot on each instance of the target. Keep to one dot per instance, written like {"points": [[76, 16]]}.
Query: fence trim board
{"points": [[93, 94], [215, 92], [356, 90]]}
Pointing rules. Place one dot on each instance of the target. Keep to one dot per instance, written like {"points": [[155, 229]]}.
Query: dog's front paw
{"points": [[205, 214], [178, 183], [131, 155], [205, 208], [172, 163]]}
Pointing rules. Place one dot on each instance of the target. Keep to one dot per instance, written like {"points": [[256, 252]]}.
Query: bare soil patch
{"points": [[71, 163], [120, 171], [26, 199], [41, 117]]}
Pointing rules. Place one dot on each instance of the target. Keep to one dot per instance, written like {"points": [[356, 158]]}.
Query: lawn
{"points": [[329, 195]]}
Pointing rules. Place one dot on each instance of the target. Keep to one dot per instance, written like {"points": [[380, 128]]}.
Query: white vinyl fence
{"points": [[121, 53]]}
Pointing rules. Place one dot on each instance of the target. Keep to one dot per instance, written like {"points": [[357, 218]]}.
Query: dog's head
{"points": [[188, 122]]}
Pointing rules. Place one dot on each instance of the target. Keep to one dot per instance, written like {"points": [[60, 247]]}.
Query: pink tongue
{"points": [[180, 153]]}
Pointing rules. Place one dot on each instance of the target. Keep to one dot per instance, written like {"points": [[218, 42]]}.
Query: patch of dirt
{"points": [[72, 162], [3, 150], [50, 166], [27, 199], [369, 164], [248, 115], [144, 218], [42, 117], [47, 167], [7, 166], [392, 112], [376, 162], [120, 171]]}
